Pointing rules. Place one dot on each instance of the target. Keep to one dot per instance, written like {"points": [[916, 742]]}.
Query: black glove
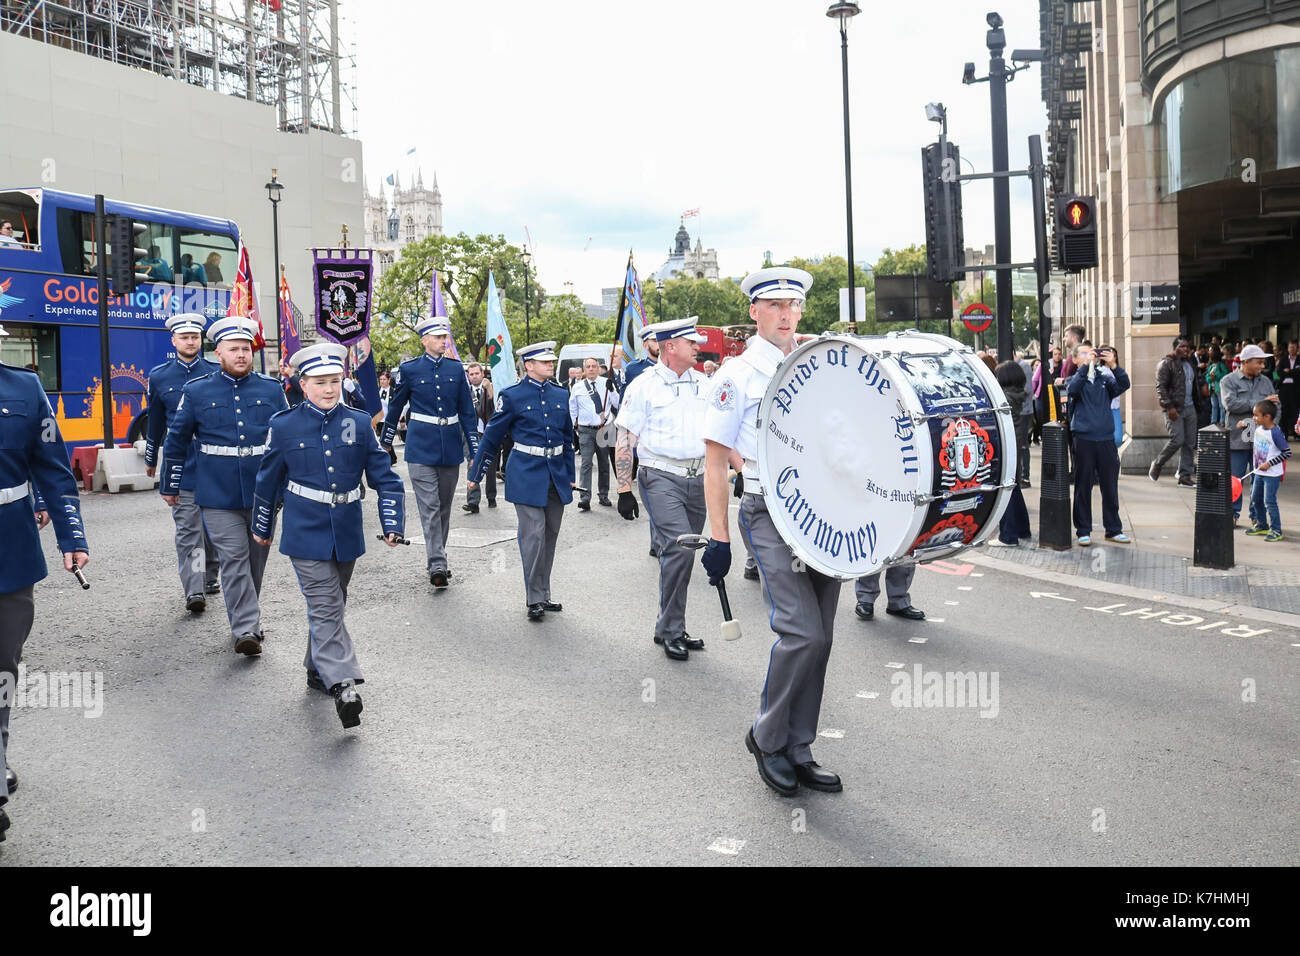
{"points": [[717, 560], [739, 489], [627, 505]]}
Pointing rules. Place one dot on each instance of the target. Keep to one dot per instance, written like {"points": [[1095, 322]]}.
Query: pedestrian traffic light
{"points": [[125, 255], [944, 239], [1076, 233]]}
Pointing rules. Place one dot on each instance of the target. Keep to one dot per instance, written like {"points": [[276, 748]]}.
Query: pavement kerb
{"points": [[1179, 601]]}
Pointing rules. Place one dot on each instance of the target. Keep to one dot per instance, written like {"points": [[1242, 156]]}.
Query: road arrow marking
{"points": [[1050, 594], [727, 846]]}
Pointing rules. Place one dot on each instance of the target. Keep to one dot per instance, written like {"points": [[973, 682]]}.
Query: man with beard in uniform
{"points": [[801, 603], [228, 415], [661, 416], [196, 559]]}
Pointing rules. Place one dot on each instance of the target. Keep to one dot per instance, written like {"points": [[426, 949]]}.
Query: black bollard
{"points": [[1213, 546], [1054, 523]]}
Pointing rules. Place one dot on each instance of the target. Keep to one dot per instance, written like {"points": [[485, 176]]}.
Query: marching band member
{"points": [[32, 458], [630, 373], [442, 410], [662, 417], [801, 602], [539, 473], [227, 414], [316, 456], [196, 559]]}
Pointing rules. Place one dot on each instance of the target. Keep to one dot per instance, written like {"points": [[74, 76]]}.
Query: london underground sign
{"points": [[977, 316]]}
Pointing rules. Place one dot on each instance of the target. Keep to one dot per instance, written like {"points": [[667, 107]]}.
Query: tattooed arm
{"points": [[623, 459]]}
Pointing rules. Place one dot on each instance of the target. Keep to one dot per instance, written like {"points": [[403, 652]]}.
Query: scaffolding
{"points": [[284, 53]]}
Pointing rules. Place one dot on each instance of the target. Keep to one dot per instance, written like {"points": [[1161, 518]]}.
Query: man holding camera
{"points": [[1097, 381]]}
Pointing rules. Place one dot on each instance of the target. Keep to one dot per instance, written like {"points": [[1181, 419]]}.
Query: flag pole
{"points": [[618, 326]]}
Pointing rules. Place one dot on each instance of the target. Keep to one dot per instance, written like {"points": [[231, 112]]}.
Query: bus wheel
{"points": [[139, 428]]}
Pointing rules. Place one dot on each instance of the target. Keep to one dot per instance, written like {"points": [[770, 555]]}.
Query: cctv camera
{"points": [[968, 74], [994, 21]]}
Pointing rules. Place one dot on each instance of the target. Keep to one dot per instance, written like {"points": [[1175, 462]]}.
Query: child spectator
{"points": [[1270, 454]]}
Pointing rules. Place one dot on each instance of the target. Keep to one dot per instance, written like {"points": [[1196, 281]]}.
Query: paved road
{"points": [[488, 739]]}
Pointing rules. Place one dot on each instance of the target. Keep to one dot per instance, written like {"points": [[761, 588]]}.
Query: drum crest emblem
{"points": [[965, 455]]}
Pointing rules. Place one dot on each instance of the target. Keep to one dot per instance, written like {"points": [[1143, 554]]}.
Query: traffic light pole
{"points": [[996, 40], [1041, 265], [101, 275]]}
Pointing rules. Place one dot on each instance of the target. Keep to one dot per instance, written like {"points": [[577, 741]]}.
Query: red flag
{"points": [[242, 300], [290, 322]]}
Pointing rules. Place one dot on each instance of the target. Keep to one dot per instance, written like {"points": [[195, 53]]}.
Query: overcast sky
{"points": [[596, 123]]}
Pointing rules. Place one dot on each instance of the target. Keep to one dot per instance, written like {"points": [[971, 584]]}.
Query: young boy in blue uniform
{"points": [[316, 456]]}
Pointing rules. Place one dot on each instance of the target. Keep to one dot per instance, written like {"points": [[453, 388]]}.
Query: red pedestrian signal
{"points": [[1076, 215], [1076, 233]]}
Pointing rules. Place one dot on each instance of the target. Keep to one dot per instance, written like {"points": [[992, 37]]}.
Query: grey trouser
{"points": [[1182, 438], [898, 581], [242, 563], [801, 605], [329, 645], [676, 507], [475, 494], [588, 449], [196, 559], [17, 610], [435, 487], [539, 529]]}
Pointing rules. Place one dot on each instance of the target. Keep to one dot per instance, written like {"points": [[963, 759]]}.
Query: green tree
{"points": [[565, 321], [821, 310], [902, 262], [717, 303], [463, 264]]}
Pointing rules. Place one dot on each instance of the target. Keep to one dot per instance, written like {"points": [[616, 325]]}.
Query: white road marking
{"points": [[948, 603], [727, 846], [871, 694], [929, 620], [960, 587], [912, 640], [1045, 594], [973, 574], [894, 664], [830, 733]]}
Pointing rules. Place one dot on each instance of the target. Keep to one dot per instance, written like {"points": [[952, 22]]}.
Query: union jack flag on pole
{"points": [[243, 301]]}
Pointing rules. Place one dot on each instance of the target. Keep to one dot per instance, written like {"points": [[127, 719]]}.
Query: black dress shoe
{"points": [[751, 574], [492, 502], [473, 509], [536, 612], [347, 703], [314, 681], [11, 778], [909, 612], [4, 817], [654, 552], [215, 586], [863, 610], [250, 644], [586, 505], [438, 578], [557, 606], [811, 775], [675, 650], [775, 769], [606, 503], [197, 603], [695, 643]]}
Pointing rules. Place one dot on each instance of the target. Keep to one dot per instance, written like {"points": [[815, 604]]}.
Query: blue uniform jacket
{"points": [[228, 412], [635, 368], [31, 449], [532, 414], [436, 387], [1090, 417], [325, 451], [165, 384]]}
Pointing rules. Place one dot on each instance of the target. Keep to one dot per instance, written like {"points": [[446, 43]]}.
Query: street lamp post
{"points": [[528, 327], [273, 189], [845, 11]]}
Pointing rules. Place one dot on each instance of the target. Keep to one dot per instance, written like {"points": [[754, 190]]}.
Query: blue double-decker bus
{"points": [[49, 301]]}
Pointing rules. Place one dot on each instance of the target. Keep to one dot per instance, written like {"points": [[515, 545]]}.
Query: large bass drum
{"points": [[881, 450]]}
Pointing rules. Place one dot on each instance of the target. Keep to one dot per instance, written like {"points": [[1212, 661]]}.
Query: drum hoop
{"points": [[768, 480]]}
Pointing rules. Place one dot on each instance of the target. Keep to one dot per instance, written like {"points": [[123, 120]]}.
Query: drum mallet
{"points": [[400, 539], [730, 626], [81, 578]]}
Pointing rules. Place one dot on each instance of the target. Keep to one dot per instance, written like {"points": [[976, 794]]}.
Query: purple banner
{"points": [[342, 286]]}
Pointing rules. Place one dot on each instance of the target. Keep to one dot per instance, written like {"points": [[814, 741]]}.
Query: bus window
{"points": [[20, 211], [34, 347], [86, 230], [213, 258]]}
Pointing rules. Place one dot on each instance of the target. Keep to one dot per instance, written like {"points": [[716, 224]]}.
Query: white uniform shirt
{"points": [[666, 412], [737, 389], [582, 411]]}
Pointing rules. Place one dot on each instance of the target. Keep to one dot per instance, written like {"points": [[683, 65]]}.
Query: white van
{"points": [[572, 356]]}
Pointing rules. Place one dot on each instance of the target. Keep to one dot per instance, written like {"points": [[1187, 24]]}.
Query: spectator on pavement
{"points": [[1015, 521], [1240, 392], [1180, 389], [1097, 380], [1269, 457], [1288, 387], [1214, 374]]}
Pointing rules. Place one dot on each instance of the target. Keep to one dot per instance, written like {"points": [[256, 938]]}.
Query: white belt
{"points": [[682, 467], [420, 417], [330, 498], [540, 451], [10, 495], [753, 484], [233, 451]]}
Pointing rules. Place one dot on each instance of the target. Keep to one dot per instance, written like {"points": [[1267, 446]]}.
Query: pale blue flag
{"points": [[500, 350]]}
